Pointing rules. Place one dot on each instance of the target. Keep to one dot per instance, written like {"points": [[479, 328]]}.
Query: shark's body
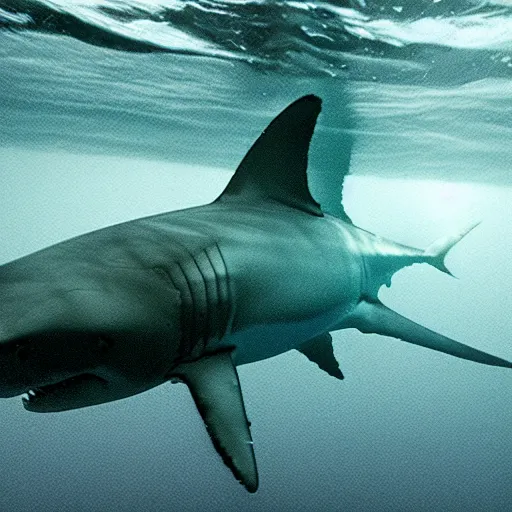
{"points": [[189, 295]]}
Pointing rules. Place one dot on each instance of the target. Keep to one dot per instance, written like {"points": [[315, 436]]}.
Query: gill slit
{"points": [[206, 297]]}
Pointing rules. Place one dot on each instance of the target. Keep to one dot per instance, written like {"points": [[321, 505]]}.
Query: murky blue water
{"points": [[111, 110]]}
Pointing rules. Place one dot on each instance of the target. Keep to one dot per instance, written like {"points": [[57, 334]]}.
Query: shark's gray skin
{"points": [[189, 295]]}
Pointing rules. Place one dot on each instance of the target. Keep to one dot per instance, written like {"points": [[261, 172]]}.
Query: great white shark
{"points": [[189, 295]]}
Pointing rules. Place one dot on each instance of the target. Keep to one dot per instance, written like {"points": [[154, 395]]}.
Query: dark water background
{"points": [[113, 109]]}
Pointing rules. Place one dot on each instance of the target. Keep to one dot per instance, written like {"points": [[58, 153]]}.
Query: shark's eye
{"points": [[23, 352]]}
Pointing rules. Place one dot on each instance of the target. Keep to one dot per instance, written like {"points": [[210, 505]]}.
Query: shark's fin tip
{"points": [[437, 252]]}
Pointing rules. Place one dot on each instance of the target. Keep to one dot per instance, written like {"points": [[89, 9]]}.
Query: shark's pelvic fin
{"points": [[319, 350], [374, 317], [275, 168], [213, 382]]}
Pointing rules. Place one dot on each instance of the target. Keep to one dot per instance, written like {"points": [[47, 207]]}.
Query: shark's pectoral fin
{"points": [[213, 382], [319, 350], [374, 317]]}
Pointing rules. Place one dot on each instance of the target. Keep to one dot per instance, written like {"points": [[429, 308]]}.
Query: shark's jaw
{"points": [[75, 392]]}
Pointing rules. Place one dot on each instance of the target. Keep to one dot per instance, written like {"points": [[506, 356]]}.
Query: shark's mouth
{"points": [[67, 394]]}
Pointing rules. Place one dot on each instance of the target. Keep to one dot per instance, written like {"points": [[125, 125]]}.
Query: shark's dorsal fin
{"points": [[319, 350], [275, 168], [330, 162], [213, 382]]}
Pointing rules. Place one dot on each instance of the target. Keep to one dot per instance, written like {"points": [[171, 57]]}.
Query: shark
{"points": [[189, 295]]}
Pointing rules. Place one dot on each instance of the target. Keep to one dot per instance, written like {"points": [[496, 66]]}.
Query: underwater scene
{"points": [[333, 369]]}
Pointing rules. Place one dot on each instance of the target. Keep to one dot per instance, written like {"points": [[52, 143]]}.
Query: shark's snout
{"points": [[52, 372], [12, 380], [63, 370]]}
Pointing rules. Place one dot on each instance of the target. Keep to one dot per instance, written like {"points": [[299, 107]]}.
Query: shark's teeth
{"points": [[36, 394], [32, 394]]}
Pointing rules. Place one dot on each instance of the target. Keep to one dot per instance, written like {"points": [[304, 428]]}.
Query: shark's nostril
{"points": [[23, 352], [104, 344]]}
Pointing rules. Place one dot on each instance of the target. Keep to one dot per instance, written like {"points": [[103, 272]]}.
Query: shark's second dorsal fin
{"points": [[275, 168]]}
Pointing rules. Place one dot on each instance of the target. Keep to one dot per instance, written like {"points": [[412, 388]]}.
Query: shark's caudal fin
{"points": [[383, 258], [374, 317], [436, 252]]}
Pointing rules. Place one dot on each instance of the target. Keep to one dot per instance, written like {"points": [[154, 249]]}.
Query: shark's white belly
{"points": [[265, 340]]}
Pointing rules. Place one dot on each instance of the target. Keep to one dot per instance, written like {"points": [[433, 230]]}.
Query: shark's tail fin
{"points": [[437, 251], [374, 317], [383, 257]]}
